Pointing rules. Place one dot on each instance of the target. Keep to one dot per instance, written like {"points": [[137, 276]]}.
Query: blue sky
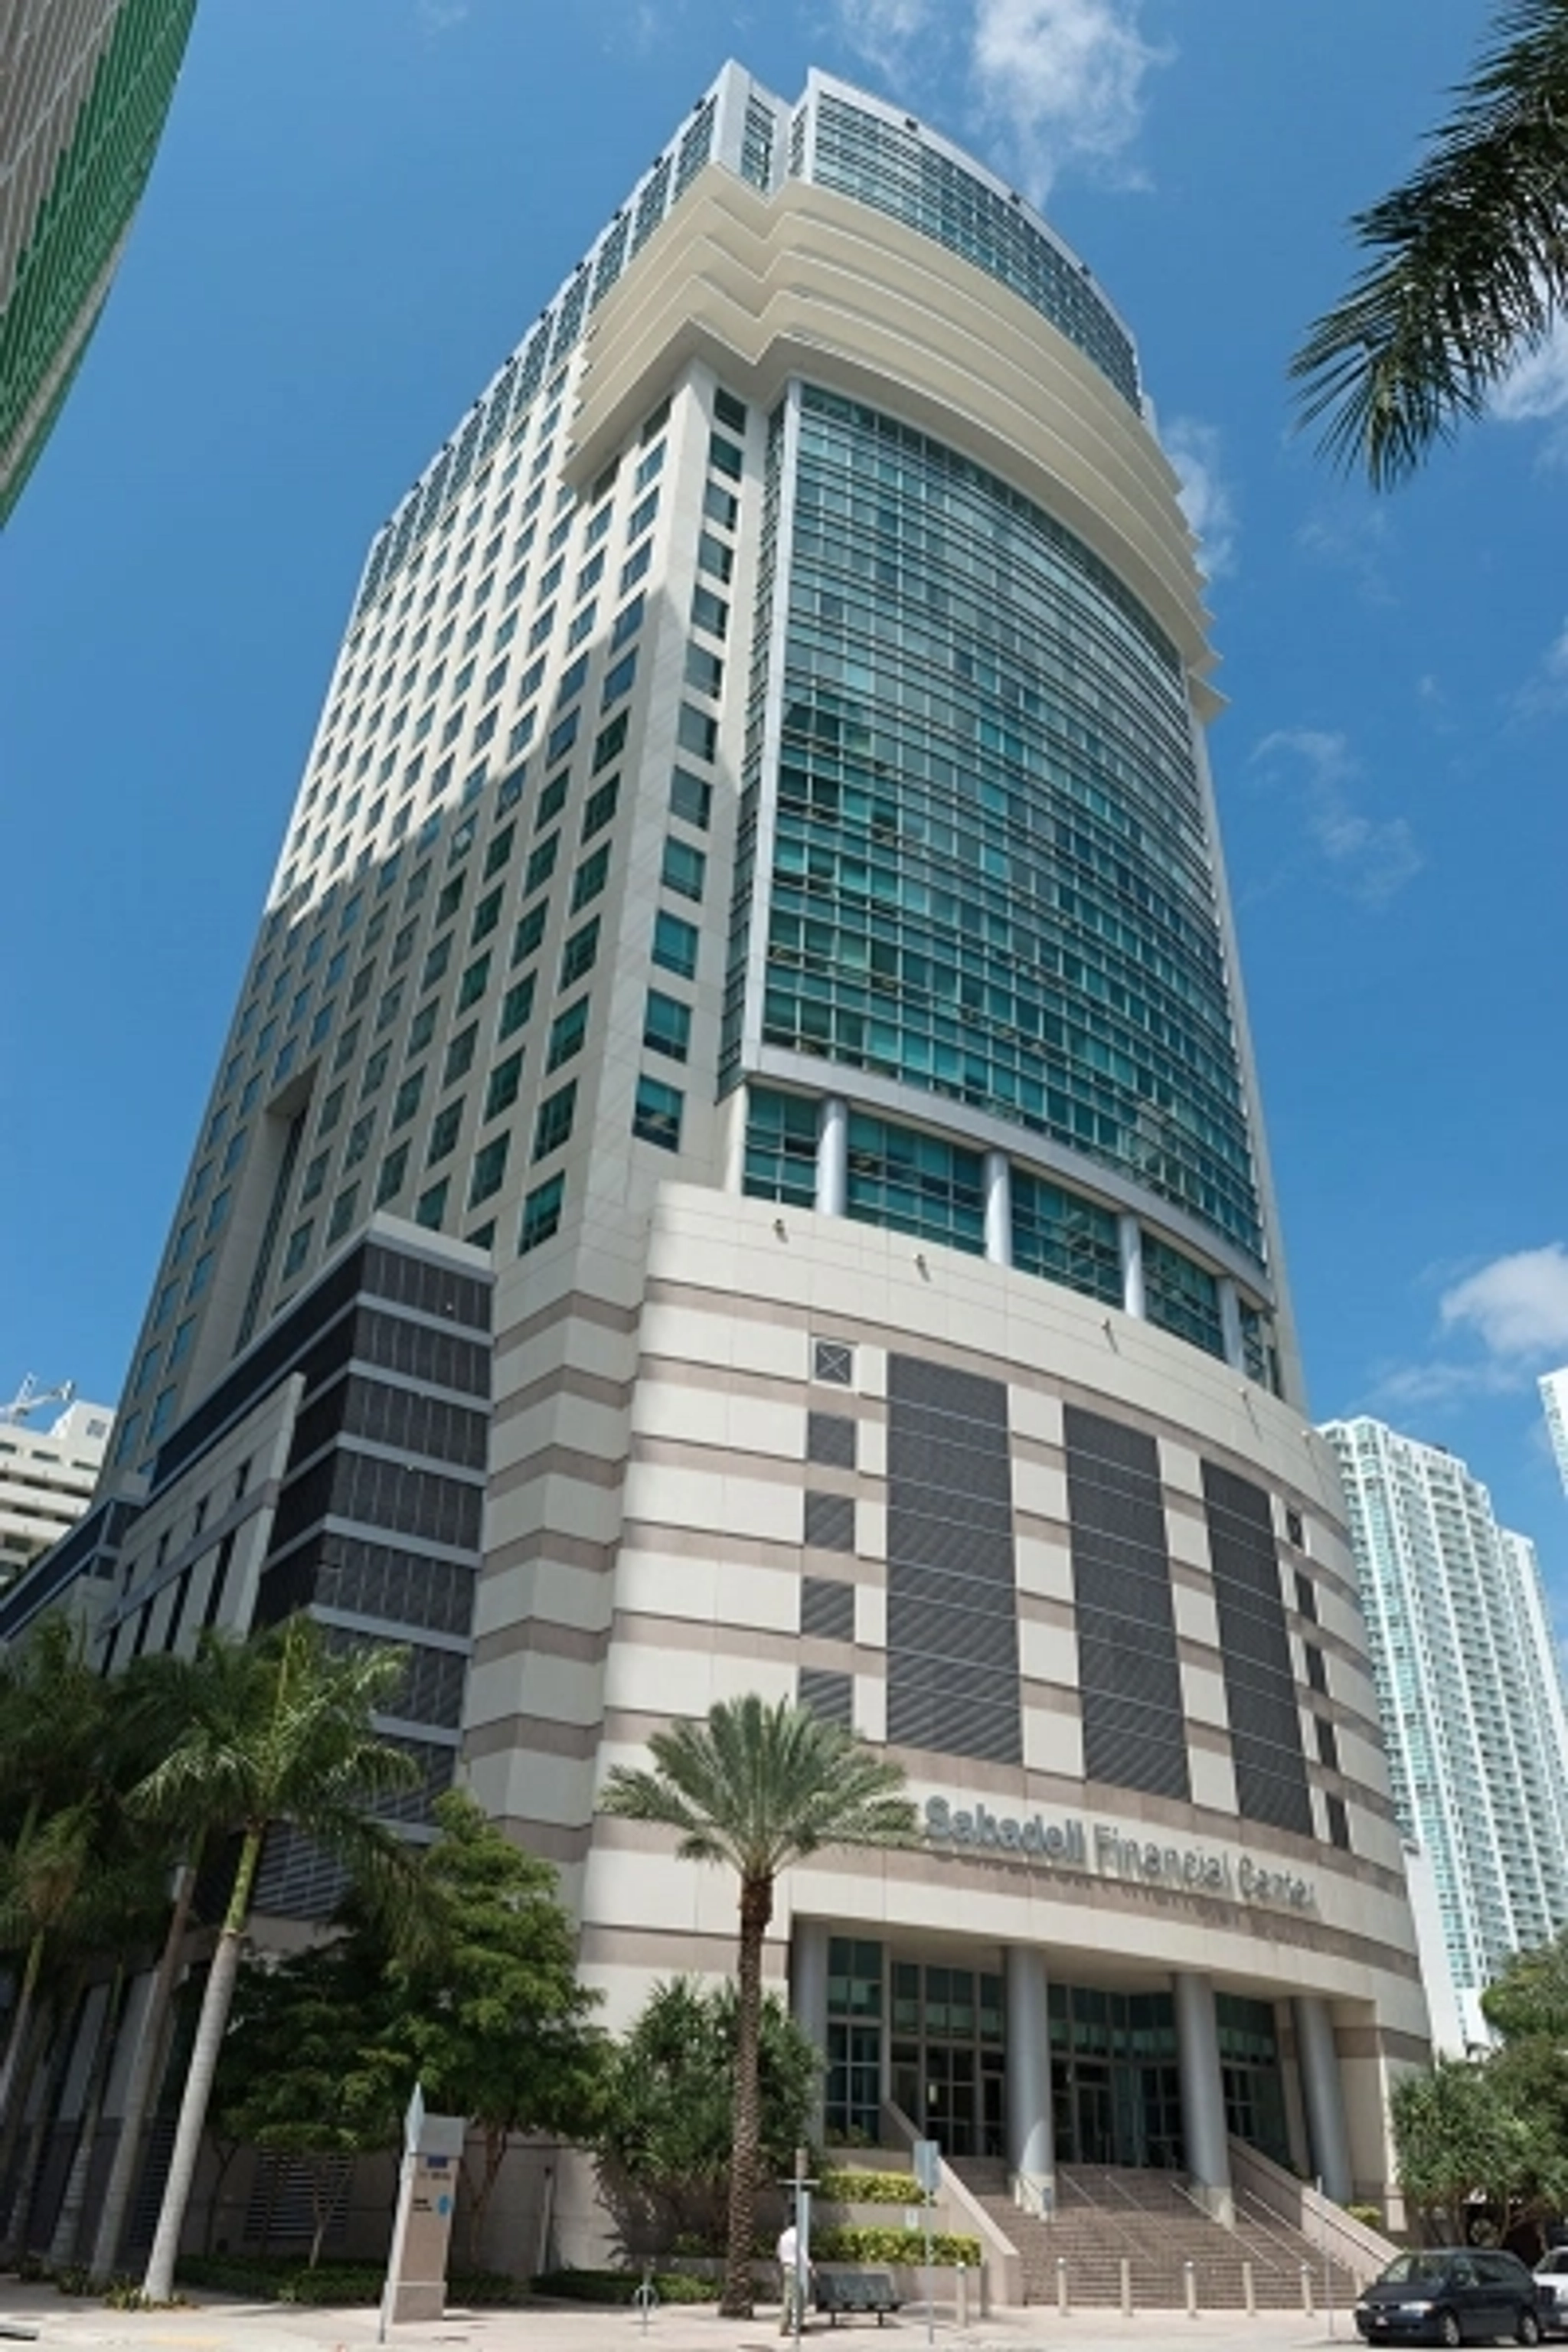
{"points": [[356, 211]]}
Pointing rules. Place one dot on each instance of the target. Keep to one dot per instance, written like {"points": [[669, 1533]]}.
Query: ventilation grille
{"points": [[1134, 1726], [1259, 1680], [830, 1439], [827, 1609], [830, 1696], [830, 1522], [952, 1641]]}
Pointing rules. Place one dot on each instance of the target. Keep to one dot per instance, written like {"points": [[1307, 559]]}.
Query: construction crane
{"points": [[30, 1396]]}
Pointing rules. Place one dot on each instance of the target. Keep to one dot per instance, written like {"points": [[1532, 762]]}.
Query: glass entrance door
{"points": [[1092, 2114]]}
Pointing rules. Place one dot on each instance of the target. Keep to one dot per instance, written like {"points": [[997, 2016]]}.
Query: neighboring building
{"points": [[756, 878], [1554, 1405], [84, 88], [46, 1477], [1470, 1693]]}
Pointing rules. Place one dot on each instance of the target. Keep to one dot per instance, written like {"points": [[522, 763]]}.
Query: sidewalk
{"points": [[81, 2325]]}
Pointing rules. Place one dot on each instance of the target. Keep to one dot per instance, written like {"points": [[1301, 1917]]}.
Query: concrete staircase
{"points": [[1105, 2214]]}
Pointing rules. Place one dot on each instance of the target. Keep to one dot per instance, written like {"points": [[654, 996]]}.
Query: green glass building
{"points": [[84, 88]]}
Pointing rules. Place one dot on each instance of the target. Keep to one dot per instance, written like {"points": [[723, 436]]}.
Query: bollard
{"points": [[1249, 2291], [1307, 2289], [963, 2295], [1062, 2304], [1190, 2282], [1126, 2288]]}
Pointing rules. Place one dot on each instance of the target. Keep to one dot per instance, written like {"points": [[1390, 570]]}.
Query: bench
{"points": [[848, 2293]]}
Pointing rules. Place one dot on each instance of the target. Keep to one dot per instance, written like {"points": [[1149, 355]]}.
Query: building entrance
{"points": [[1116, 2087]]}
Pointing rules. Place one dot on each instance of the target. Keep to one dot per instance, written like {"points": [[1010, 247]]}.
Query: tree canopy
{"points": [[1469, 263]]}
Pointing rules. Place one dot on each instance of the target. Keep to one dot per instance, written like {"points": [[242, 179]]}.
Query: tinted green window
{"points": [[655, 1115], [992, 874], [781, 1148], [504, 1082], [1067, 1239], [666, 1025], [553, 1127], [473, 985], [530, 931], [444, 1132], [515, 1006], [489, 1169], [684, 869], [915, 1184], [577, 955], [541, 1213], [1181, 1297], [675, 944], [567, 1033], [589, 879]]}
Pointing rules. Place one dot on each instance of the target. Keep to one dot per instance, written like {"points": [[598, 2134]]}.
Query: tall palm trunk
{"points": [[142, 2080], [159, 2283], [756, 1910], [15, 2116], [73, 2203], [21, 2020]]}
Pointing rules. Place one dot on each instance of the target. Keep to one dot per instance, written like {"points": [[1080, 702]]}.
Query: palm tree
{"points": [[1470, 271], [759, 1786], [281, 1732]]}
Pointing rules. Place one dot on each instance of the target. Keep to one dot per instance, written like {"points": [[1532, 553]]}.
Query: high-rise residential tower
{"points": [[84, 88], [755, 886], [1471, 1695], [46, 1476]]}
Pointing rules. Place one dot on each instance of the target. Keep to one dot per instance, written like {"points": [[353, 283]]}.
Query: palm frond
{"points": [[1470, 271]]}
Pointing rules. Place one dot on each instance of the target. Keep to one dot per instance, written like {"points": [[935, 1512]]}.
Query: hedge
{"points": [[285, 2279], [620, 2286], [868, 2188], [883, 2245]]}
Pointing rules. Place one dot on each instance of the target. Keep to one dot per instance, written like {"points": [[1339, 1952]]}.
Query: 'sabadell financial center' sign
{"points": [[1102, 1850]]}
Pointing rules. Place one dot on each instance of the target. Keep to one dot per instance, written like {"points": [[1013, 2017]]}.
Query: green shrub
{"points": [[72, 2278], [284, 2278], [1369, 2216], [886, 2246], [620, 2286], [868, 2188]]}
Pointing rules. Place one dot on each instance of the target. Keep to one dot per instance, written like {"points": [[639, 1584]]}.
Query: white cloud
{"points": [[440, 17], [1372, 858], [1509, 1320], [1517, 1306], [1064, 78], [1546, 689], [1055, 83], [1194, 450], [1538, 386]]}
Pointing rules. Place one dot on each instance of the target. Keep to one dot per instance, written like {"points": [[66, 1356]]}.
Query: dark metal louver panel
{"points": [[830, 1439], [829, 1696], [827, 1609], [1134, 1723], [1260, 1679], [952, 1635]]}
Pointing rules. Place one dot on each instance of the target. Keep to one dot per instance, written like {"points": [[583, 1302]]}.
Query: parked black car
{"points": [[1452, 2294]]}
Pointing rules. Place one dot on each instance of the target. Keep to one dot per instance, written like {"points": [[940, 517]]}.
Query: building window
{"points": [[781, 1148], [697, 731], [600, 807], [829, 1522], [505, 1080], [1181, 1298], [431, 1206], [444, 1130], [666, 1025], [552, 1124], [589, 879], [830, 1440], [567, 1033], [342, 1213], [656, 1112], [675, 944], [541, 1214], [684, 869], [393, 1168], [541, 866], [406, 1101], [460, 1055], [515, 1007], [915, 1184], [490, 1168], [473, 985], [1064, 1238], [577, 955], [529, 932], [691, 799]]}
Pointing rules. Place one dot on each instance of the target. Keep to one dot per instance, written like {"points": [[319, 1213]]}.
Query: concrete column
{"points": [[1031, 2148], [1129, 1239], [1230, 1324], [1203, 2095], [833, 1156], [808, 1995], [998, 1208], [1323, 2095]]}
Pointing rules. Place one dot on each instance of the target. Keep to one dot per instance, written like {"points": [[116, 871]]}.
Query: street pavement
{"points": [[74, 2325]]}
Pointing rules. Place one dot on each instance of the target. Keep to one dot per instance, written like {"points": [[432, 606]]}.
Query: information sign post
{"points": [[416, 2285]]}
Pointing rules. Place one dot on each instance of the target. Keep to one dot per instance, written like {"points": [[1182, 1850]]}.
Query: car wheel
{"points": [[1448, 2328], [1528, 2328]]}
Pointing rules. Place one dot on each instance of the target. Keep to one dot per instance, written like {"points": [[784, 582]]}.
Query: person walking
{"points": [[796, 2268]]}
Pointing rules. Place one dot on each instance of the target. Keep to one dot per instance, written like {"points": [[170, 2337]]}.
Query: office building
{"points": [[84, 88], [1470, 1693], [46, 1476], [1553, 1389], [755, 879]]}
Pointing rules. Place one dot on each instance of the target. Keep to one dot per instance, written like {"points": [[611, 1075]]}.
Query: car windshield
{"points": [[1413, 2270], [1555, 2263]]}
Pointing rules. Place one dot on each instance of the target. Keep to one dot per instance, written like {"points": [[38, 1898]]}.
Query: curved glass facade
{"points": [[892, 167], [991, 876]]}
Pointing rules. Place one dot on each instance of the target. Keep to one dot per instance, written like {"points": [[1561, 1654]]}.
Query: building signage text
{"points": [[1104, 1851]]}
